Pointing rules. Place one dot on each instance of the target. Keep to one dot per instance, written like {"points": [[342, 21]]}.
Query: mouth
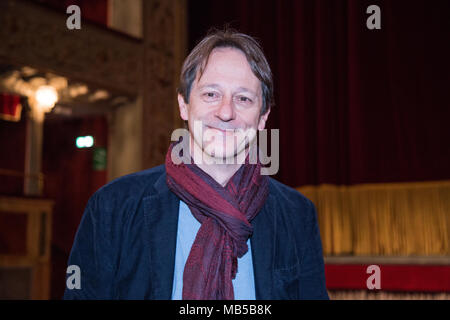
{"points": [[223, 131]]}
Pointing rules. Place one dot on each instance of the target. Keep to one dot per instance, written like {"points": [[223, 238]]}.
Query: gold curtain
{"points": [[383, 219]]}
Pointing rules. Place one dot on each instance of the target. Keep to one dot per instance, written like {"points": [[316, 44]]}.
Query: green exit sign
{"points": [[84, 142]]}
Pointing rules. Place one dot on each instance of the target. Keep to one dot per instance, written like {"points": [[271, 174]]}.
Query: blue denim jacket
{"points": [[125, 244]]}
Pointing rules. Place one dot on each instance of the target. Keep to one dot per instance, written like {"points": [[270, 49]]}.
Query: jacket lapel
{"points": [[262, 244], [161, 211]]}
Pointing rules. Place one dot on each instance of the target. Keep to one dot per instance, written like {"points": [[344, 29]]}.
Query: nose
{"points": [[226, 111]]}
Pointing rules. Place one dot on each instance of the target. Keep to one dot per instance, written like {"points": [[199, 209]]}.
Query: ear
{"points": [[263, 119], [183, 107]]}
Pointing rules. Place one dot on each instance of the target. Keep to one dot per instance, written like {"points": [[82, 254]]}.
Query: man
{"points": [[201, 226]]}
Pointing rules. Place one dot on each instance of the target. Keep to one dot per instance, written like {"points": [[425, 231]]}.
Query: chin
{"points": [[223, 155], [219, 151]]}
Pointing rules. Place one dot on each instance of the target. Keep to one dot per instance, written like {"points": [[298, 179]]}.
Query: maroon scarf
{"points": [[225, 214]]}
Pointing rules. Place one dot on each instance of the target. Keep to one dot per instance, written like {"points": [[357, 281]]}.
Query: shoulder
{"points": [[129, 188], [290, 205], [288, 196], [131, 183]]}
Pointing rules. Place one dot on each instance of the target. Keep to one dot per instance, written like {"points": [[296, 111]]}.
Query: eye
{"points": [[244, 99], [210, 95]]}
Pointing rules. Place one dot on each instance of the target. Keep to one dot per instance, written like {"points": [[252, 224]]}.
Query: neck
{"points": [[220, 172]]}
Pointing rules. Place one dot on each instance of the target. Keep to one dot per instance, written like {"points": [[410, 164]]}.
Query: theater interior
{"points": [[362, 114]]}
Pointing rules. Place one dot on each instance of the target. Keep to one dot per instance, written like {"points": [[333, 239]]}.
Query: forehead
{"points": [[228, 67]]}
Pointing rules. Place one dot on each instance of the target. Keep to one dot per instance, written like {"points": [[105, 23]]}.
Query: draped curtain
{"points": [[389, 219], [353, 105]]}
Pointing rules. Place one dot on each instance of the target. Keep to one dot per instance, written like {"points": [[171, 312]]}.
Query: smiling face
{"points": [[227, 100]]}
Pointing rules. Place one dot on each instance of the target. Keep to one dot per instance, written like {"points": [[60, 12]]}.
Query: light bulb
{"points": [[46, 97]]}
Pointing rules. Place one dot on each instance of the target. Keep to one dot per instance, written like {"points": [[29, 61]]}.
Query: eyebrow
{"points": [[210, 85], [216, 86]]}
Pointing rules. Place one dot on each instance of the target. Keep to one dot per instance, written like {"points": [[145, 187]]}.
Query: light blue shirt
{"points": [[243, 284]]}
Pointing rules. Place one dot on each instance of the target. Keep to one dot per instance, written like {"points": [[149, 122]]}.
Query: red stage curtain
{"points": [[353, 105]]}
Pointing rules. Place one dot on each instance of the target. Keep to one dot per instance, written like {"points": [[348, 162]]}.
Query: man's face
{"points": [[227, 99]]}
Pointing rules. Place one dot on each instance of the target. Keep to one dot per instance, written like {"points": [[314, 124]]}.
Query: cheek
{"points": [[194, 116], [198, 111], [250, 120]]}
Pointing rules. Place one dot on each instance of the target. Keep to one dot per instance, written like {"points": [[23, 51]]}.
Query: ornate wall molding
{"points": [[164, 49], [35, 36]]}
